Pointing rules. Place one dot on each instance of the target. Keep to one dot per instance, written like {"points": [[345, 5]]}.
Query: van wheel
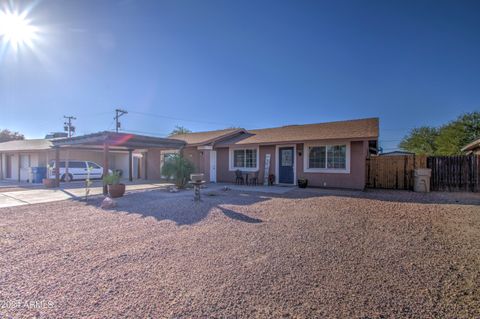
{"points": [[67, 177]]}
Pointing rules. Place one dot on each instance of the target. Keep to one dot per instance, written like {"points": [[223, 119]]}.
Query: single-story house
{"points": [[122, 151], [329, 154], [472, 148]]}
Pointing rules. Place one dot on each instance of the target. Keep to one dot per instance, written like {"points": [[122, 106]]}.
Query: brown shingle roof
{"points": [[199, 138], [26, 145], [353, 129], [471, 146]]}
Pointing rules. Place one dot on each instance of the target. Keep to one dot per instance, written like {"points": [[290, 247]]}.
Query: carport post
{"points": [[130, 164], [57, 167], [105, 166]]}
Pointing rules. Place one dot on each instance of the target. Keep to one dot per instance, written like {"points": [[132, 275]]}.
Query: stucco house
{"points": [[327, 154]]}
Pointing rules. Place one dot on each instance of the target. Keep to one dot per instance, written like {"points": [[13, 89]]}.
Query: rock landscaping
{"points": [[305, 254]]}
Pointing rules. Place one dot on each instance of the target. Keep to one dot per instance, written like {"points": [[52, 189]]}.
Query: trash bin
{"points": [[422, 180], [38, 174]]}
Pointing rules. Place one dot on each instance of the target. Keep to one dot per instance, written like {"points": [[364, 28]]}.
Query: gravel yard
{"points": [[305, 254]]}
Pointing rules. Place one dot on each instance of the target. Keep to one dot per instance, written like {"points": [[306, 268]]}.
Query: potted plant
{"points": [[49, 182], [178, 168], [115, 188], [302, 182]]}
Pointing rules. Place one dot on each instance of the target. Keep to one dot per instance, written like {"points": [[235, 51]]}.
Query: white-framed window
{"points": [[245, 159], [327, 158]]}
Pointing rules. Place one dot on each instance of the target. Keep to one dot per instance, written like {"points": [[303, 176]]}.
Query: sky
{"points": [[214, 64]]}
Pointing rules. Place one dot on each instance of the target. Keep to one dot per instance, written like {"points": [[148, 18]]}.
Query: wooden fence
{"points": [[454, 173], [449, 173], [393, 172]]}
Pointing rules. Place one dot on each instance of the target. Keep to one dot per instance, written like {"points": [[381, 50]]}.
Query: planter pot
{"points": [[302, 183], [49, 182], [116, 190]]}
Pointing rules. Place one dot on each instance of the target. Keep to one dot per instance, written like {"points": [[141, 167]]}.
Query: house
{"points": [[396, 153], [327, 154], [472, 148], [126, 152]]}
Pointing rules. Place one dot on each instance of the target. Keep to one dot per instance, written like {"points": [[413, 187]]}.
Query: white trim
{"points": [[277, 163], [306, 156], [213, 173], [244, 169], [205, 147]]}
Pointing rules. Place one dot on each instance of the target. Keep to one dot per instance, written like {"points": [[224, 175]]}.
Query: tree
{"points": [[7, 135], [446, 140], [180, 130], [178, 168], [456, 134], [420, 141]]}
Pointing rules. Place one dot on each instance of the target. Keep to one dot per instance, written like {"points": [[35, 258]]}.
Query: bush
{"points": [[178, 168], [111, 179]]}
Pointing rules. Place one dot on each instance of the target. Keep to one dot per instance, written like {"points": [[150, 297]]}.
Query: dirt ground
{"points": [[306, 254]]}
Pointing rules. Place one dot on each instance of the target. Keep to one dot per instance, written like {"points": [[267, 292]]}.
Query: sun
{"points": [[16, 30]]}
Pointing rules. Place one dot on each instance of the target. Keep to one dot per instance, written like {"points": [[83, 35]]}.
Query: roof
{"points": [[115, 140], [26, 145], [395, 153], [471, 146], [125, 140], [352, 129], [199, 138]]}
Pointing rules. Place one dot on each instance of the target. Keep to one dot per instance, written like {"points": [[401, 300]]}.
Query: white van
{"points": [[77, 170]]}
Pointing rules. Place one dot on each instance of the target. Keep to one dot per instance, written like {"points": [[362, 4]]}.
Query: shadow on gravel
{"points": [[180, 207]]}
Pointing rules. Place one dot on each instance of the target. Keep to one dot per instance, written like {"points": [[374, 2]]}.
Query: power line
{"points": [[180, 119], [160, 134]]}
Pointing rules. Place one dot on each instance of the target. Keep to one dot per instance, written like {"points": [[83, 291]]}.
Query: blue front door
{"points": [[286, 161]]}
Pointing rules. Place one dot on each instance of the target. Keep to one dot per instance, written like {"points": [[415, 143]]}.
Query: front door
{"points": [[286, 162], [8, 166], [213, 166]]}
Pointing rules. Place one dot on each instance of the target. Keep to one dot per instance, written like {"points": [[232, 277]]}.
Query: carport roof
{"points": [[123, 140]]}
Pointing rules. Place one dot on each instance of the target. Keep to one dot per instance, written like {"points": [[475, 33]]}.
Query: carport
{"points": [[123, 142]]}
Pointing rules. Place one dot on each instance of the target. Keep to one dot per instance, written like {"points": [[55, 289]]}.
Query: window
{"points": [[327, 158], [76, 164], [336, 156], [316, 157], [93, 165], [244, 159]]}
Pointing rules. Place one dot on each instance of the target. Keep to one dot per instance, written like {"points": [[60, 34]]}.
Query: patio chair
{"points": [[253, 181], [239, 180]]}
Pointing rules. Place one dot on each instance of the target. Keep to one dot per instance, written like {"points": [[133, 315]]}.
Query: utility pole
{"points": [[68, 125], [118, 113]]}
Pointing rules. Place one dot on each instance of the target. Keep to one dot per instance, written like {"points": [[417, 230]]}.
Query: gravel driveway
{"points": [[304, 254]]}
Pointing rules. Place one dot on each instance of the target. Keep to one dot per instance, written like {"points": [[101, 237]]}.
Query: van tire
{"points": [[67, 178]]}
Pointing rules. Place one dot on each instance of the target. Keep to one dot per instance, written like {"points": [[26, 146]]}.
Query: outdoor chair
{"points": [[239, 180], [253, 181]]}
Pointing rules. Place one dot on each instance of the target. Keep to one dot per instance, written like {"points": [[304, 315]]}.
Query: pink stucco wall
{"points": [[354, 180]]}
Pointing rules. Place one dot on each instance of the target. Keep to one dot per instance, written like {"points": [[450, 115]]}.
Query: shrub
{"points": [[178, 168], [111, 179]]}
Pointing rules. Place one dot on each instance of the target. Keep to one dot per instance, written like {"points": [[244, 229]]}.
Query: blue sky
{"points": [[212, 64]]}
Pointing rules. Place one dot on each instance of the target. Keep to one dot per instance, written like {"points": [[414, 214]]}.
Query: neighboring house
{"points": [[396, 153], [472, 148], [327, 154], [18, 157]]}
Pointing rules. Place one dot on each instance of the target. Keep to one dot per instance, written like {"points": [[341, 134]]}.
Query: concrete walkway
{"points": [[76, 190], [36, 196]]}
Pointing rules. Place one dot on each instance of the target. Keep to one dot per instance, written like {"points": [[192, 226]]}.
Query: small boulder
{"points": [[173, 189], [108, 203]]}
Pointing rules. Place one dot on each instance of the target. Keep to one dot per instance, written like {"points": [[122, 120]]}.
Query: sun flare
{"points": [[16, 30]]}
